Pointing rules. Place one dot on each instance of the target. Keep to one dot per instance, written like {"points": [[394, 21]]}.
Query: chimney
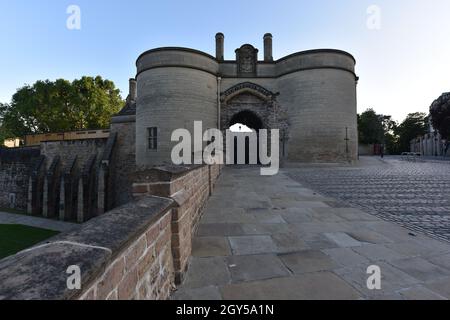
{"points": [[268, 47], [133, 90], [219, 46]]}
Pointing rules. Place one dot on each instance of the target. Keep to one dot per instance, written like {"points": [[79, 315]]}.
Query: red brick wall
{"points": [[190, 190], [143, 271]]}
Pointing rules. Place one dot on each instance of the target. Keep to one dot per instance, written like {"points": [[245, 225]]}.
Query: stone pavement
{"points": [[274, 238], [61, 226], [413, 194]]}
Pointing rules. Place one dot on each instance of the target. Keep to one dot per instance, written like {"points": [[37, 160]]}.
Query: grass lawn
{"points": [[14, 238]]}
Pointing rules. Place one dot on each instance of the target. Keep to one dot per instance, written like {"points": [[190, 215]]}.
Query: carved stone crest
{"points": [[247, 57]]}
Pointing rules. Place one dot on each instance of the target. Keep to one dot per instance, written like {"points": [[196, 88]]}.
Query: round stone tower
{"points": [[176, 86], [318, 87]]}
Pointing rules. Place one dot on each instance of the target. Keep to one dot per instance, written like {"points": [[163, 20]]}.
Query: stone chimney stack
{"points": [[220, 46], [268, 47], [133, 90]]}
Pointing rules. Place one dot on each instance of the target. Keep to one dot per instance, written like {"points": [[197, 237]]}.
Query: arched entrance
{"points": [[251, 121], [257, 108]]}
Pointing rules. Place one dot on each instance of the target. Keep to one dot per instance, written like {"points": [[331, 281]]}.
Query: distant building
{"points": [[12, 143], [431, 144]]}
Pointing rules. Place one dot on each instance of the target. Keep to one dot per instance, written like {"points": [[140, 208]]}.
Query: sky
{"points": [[402, 48]]}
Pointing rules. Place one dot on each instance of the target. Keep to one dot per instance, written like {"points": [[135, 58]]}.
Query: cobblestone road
{"points": [[413, 194]]}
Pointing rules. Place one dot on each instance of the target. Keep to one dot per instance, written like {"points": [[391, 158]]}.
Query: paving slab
{"points": [[270, 218], [441, 260], [252, 245], [265, 228], [210, 247], [377, 252], [414, 249], [312, 286], [420, 293], [308, 261], [256, 267], [199, 294], [229, 217], [392, 279], [220, 229], [205, 272], [298, 215], [289, 242], [369, 236], [421, 269], [441, 287], [343, 240], [317, 241], [346, 257]]}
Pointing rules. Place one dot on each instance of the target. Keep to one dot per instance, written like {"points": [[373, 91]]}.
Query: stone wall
{"points": [[66, 150], [124, 158], [137, 251], [15, 168], [69, 180], [429, 145]]}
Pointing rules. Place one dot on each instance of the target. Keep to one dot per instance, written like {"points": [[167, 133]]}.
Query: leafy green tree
{"points": [[55, 106], [370, 127], [415, 125], [376, 128], [440, 115]]}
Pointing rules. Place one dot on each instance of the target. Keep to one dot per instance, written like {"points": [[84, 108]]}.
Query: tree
{"points": [[391, 137], [378, 129], [46, 106], [440, 115], [370, 127], [415, 125]]}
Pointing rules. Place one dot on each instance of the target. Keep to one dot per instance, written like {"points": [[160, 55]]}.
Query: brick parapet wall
{"points": [[137, 251], [190, 188], [144, 271], [123, 254]]}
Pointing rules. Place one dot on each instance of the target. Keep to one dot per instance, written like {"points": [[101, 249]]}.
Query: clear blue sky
{"points": [[403, 66]]}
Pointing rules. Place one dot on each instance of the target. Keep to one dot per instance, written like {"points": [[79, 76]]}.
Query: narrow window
{"points": [[153, 138]]}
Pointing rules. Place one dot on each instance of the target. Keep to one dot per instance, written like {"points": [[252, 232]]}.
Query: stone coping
{"points": [[163, 173], [39, 273]]}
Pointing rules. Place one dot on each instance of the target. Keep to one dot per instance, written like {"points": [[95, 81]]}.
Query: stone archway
{"points": [[248, 118], [253, 122], [256, 107]]}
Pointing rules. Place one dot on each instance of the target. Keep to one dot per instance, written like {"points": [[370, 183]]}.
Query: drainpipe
{"points": [[219, 82]]}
